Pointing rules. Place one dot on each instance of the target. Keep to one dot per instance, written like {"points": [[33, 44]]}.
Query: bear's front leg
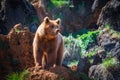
{"points": [[36, 52], [44, 60]]}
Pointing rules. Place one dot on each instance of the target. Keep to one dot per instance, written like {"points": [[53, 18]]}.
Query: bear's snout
{"points": [[57, 31]]}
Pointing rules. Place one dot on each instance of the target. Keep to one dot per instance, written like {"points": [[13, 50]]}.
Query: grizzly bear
{"points": [[48, 45]]}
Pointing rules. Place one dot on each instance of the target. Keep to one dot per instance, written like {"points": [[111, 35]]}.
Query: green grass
{"points": [[17, 75], [110, 62]]}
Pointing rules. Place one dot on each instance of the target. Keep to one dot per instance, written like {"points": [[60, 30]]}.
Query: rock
{"points": [[109, 44], [17, 11], [54, 73], [99, 72], [16, 50], [110, 15], [99, 4], [83, 65], [116, 52], [40, 9]]}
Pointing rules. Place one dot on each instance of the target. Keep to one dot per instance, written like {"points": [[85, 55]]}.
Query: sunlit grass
{"points": [[17, 75]]}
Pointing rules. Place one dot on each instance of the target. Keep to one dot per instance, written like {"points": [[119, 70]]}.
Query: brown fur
{"points": [[48, 44]]}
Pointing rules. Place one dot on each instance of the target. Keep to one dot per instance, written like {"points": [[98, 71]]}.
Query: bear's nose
{"points": [[58, 30]]}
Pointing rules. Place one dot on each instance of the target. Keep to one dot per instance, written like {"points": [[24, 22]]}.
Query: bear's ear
{"points": [[58, 21], [46, 19]]}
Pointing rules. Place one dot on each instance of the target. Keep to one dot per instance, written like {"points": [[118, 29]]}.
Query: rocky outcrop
{"points": [[99, 72], [110, 15], [109, 40], [17, 11], [16, 50], [56, 73]]}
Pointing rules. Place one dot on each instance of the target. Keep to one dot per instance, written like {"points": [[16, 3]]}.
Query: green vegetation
{"points": [[17, 76], [92, 53], [87, 39], [114, 34], [17, 30], [110, 62], [77, 46], [60, 2]]}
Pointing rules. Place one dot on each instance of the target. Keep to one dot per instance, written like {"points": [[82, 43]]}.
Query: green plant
{"points": [[110, 62], [60, 2], [73, 49], [114, 34], [87, 39], [17, 75]]}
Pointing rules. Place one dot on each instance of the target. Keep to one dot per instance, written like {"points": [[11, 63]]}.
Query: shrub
{"points": [[110, 62], [87, 39], [17, 76], [76, 47]]}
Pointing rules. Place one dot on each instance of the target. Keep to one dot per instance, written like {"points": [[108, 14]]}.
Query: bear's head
{"points": [[51, 27]]}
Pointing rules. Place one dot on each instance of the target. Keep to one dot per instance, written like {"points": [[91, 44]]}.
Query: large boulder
{"points": [[17, 11], [54, 73], [100, 72], [16, 50], [110, 15]]}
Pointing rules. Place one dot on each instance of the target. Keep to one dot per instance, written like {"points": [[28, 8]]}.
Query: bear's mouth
{"points": [[57, 31]]}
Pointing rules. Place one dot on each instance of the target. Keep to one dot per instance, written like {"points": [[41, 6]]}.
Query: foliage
{"points": [[92, 53], [110, 62], [114, 34], [77, 46], [87, 39], [72, 49], [17, 76], [60, 2]]}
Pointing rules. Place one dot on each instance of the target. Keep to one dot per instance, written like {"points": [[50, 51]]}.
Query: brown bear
{"points": [[48, 45]]}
